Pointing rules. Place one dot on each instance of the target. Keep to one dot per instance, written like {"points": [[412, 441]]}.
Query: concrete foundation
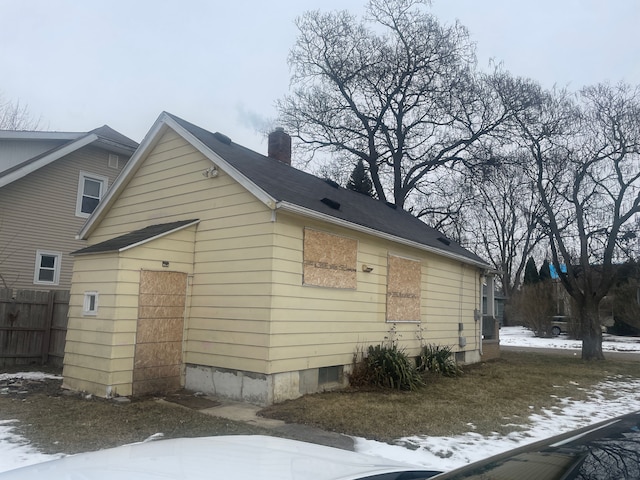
{"points": [[256, 388]]}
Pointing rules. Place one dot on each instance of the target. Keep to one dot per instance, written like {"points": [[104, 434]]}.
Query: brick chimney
{"points": [[280, 145]]}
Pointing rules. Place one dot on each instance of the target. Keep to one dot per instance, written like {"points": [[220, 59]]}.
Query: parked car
{"points": [[224, 457], [609, 450], [606, 451], [559, 324]]}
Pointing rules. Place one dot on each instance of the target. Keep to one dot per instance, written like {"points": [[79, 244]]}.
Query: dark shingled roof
{"points": [[288, 184], [128, 239]]}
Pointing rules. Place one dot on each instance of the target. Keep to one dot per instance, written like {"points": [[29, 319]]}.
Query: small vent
{"points": [[222, 138], [113, 160], [331, 203], [331, 183], [446, 241]]}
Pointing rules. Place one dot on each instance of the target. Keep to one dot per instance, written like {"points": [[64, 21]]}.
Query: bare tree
{"points": [[16, 116], [501, 222], [397, 90], [584, 153]]}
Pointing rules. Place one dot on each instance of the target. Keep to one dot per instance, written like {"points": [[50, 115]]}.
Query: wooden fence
{"points": [[33, 326]]}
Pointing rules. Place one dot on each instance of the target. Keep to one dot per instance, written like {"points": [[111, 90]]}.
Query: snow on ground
{"points": [[15, 451], [523, 337], [443, 453], [446, 453]]}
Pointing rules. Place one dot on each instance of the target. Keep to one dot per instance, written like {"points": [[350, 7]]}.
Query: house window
{"points": [[90, 190], [404, 283], [90, 305], [47, 271], [330, 375], [329, 260]]}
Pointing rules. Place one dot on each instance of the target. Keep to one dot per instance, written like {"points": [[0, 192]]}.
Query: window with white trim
{"points": [[47, 271], [90, 305], [91, 188]]}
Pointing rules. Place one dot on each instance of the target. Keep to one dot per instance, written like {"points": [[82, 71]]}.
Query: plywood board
{"points": [[159, 330], [404, 283], [329, 260]]}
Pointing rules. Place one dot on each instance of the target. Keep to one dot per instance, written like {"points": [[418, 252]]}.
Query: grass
{"points": [[55, 422], [492, 396]]}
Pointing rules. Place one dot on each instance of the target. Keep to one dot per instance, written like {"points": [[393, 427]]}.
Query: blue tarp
{"points": [[554, 274]]}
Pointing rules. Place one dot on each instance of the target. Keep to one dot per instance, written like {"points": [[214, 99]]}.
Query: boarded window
{"points": [[403, 289], [329, 260]]}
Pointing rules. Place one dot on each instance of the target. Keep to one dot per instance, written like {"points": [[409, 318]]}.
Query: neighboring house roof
{"points": [[104, 137], [282, 187], [138, 237]]}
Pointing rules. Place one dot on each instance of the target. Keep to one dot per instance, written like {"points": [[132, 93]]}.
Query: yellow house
{"points": [[213, 267]]}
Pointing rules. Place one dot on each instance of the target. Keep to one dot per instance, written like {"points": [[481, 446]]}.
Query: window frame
{"points": [[87, 311], [56, 267], [82, 177]]}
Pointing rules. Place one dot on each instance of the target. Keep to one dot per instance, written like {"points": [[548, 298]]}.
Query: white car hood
{"points": [[255, 457]]}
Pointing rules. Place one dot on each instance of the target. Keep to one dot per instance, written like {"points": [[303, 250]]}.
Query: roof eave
{"points": [[142, 242], [259, 193], [297, 209], [131, 166], [166, 121], [30, 167]]}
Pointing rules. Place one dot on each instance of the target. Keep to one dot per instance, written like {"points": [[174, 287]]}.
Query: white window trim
{"points": [[81, 178], [56, 270], [86, 304]]}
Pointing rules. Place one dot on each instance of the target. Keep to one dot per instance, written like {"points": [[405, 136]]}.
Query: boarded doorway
{"points": [[158, 358]]}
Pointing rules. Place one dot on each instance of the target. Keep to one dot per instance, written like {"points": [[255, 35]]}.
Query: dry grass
{"points": [[490, 396], [55, 421]]}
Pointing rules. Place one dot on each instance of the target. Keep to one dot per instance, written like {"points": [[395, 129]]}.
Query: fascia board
{"points": [[36, 135], [297, 209], [149, 141], [165, 121], [260, 194], [31, 167]]}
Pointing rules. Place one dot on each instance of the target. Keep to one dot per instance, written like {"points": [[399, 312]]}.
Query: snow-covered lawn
{"points": [[446, 453], [15, 451]]}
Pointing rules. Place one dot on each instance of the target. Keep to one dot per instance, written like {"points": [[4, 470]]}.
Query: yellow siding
{"points": [[37, 212], [313, 327], [100, 350], [233, 253], [247, 306], [230, 290]]}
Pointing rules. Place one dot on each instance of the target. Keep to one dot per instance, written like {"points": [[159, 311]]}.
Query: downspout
{"points": [[479, 318]]}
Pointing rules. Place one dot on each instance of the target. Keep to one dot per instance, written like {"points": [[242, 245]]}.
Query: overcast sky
{"points": [[80, 64]]}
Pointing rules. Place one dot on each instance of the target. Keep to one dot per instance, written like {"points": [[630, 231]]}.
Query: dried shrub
{"points": [[534, 306], [439, 360], [385, 366]]}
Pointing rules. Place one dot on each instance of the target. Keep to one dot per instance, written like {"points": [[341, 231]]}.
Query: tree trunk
{"points": [[591, 331]]}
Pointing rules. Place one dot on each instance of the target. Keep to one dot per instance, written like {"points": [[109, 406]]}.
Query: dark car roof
{"points": [[609, 450]]}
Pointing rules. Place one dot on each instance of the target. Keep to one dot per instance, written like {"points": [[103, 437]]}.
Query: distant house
{"points": [[233, 273], [50, 182]]}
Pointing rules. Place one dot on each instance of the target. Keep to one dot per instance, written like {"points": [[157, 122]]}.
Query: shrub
{"points": [[439, 360], [385, 366], [534, 306]]}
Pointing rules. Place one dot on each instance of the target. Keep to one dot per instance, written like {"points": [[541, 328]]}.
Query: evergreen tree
{"points": [[531, 272], [359, 180], [545, 271]]}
